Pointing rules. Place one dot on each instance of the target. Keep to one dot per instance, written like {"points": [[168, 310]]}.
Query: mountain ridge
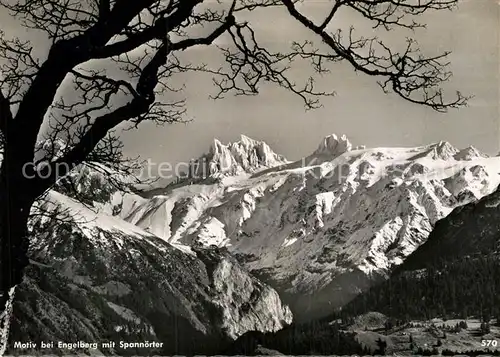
{"points": [[312, 225]]}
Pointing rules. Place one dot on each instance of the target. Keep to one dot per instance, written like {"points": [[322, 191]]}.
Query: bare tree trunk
{"points": [[5, 317], [14, 244], [15, 204]]}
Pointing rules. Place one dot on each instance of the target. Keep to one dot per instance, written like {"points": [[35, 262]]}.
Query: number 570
{"points": [[489, 343]]}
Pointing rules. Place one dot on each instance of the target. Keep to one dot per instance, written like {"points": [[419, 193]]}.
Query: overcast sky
{"points": [[360, 110]]}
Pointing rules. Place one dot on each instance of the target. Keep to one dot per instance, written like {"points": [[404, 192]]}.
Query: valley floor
{"points": [[435, 335]]}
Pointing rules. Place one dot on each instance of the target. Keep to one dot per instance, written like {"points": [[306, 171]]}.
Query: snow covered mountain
{"points": [[317, 229], [243, 156], [95, 277]]}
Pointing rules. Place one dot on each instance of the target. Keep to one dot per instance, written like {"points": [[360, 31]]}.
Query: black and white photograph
{"points": [[250, 177]]}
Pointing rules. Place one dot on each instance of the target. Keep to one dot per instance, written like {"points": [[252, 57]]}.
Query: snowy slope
{"points": [[95, 277], [317, 228]]}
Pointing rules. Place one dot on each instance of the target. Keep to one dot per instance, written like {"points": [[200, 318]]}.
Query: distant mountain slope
{"points": [[320, 229], [470, 230], [95, 278], [455, 273]]}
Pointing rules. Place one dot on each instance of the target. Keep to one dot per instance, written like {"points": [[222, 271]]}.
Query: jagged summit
{"points": [[333, 145], [445, 150], [442, 150], [244, 156], [469, 153]]}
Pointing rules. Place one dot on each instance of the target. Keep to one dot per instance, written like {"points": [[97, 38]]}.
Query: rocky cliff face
{"points": [[244, 156], [96, 278]]}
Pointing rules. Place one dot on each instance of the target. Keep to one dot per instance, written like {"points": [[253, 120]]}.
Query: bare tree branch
{"points": [[411, 75]]}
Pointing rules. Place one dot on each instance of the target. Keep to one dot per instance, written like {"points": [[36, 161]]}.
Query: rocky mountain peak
{"points": [[469, 153], [244, 156], [443, 150], [332, 145]]}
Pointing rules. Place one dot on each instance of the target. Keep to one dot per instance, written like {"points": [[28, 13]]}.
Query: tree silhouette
{"points": [[110, 62], [485, 328], [381, 347]]}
